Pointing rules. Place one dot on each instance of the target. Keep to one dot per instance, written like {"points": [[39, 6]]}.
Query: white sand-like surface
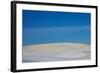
{"points": [[56, 52]]}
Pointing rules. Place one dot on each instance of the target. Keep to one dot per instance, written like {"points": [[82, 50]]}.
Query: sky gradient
{"points": [[40, 27]]}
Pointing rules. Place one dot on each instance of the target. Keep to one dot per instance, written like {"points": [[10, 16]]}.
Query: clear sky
{"points": [[52, 27]]}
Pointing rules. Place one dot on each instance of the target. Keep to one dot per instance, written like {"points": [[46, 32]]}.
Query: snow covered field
{"points": [[56, 52]]}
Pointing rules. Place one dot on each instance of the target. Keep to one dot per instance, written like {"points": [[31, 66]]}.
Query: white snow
{"points": [[56, 52]]}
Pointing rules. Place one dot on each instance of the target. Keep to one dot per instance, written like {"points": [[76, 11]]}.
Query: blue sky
{"points": [[40, 27]]}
